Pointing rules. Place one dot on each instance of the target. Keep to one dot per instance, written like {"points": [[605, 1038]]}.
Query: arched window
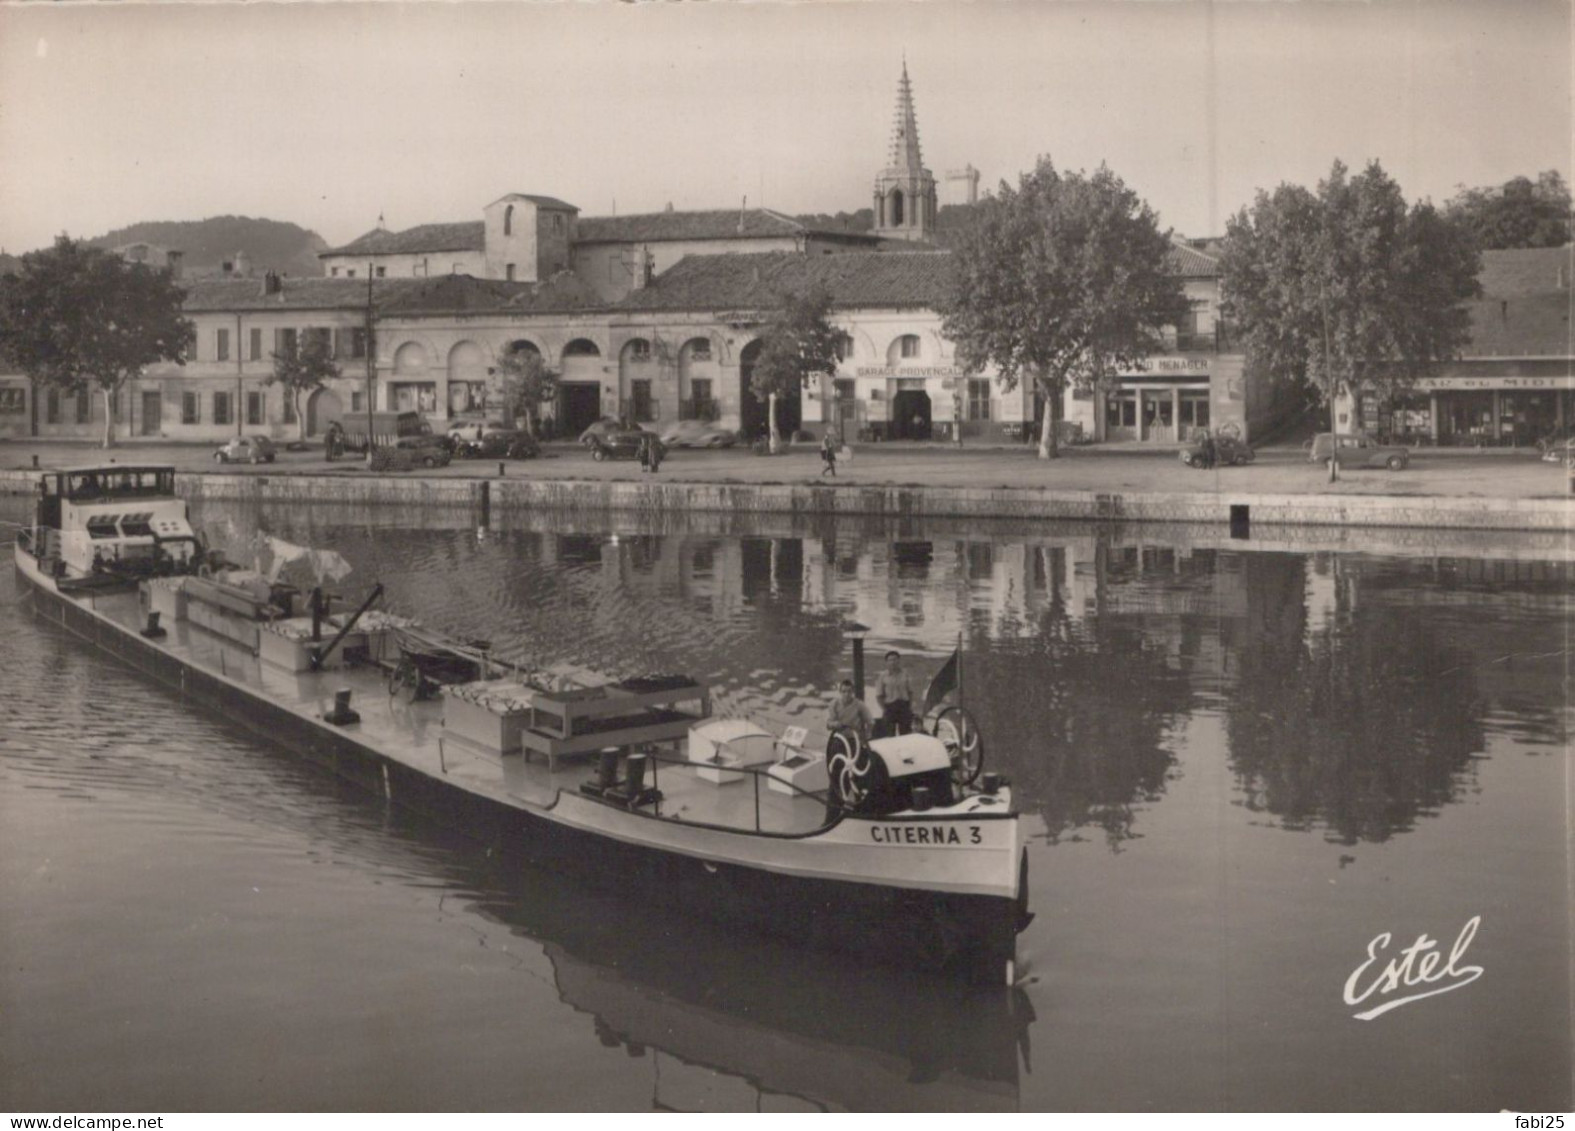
{"points": [[508, 220], [896, 207]]}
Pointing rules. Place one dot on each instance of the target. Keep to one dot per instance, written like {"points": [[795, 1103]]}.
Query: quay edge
{"points": [[888, 500]]}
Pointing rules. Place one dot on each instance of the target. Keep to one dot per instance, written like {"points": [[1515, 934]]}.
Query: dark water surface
{"points": [[1238, 767]]}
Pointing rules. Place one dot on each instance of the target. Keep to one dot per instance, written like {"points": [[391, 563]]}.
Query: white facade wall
{"points": [[419, 265]]}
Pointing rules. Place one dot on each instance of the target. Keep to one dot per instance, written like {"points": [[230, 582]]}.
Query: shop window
{"points": [[978, 399], [190, 408], [221, 408], [1121, 411]]}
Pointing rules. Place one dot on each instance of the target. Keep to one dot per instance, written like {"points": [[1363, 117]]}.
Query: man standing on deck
{"points": [[894, 693], [848, 711]]}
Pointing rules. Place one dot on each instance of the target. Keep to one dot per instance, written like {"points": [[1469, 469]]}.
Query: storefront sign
{"points": [[741, 317], [1461, 384], [1169, 366], [905, 371]]}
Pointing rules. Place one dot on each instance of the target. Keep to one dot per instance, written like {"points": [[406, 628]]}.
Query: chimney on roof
{"points": [[273, 284], [243, 266]]}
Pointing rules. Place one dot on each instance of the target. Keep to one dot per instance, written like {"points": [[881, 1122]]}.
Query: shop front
{"points": [[1168, 401], [1507, 409]]}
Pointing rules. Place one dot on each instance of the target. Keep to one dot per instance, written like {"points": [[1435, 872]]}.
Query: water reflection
{"points": [[1350, 697]]}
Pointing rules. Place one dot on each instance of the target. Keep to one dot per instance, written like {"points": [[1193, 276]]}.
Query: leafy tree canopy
{"points": [[76, 316], [527, 384], [1347, 288], [1064, 278], [798, 344], [303, 363], [1519, 213]]}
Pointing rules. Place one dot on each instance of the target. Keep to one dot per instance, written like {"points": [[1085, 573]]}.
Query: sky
{"points": [[329, 114]]}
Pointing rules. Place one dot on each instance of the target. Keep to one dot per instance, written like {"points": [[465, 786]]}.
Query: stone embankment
{"points": [[1231, 505]]}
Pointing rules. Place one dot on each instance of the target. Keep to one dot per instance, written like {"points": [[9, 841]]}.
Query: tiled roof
{"points": [[539, 201], [1190, 263], [1525, 271], [745, 281], [441, 294], [468, 236], [1521, 326], [718, 224], [904, 276]]}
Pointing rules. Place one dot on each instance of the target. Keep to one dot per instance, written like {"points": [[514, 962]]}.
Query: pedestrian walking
{"points": [[828, 452]]}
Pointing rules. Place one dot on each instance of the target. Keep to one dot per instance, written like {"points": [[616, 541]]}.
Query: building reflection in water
{"points": [[1354, 689]]}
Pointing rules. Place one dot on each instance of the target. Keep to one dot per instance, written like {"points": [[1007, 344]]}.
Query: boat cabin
{"points": [[114, 519]]}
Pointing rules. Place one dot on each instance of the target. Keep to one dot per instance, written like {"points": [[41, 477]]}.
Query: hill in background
{"points": [[268, 244]]}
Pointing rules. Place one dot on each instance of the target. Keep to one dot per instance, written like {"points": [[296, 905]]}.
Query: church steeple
{"points": [[905, 130], [905, 189]]}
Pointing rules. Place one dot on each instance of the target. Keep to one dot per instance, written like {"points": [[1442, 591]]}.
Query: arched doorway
{"points": [[467, 380], [580, 389], [323, 407], [910, 415], [752, 414]]}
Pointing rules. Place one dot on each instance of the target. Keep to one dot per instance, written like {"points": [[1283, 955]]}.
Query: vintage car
{"points": [[1228, 451], [1358, 449], [499, 443], [623, 444], [697, 434], [246, 449]]}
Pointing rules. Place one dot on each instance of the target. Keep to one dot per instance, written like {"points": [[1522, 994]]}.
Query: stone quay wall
{"points": [[880, 500]]}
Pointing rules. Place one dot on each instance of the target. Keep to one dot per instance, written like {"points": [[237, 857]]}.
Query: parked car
{"points": [[608, 425], [1358, 449], [1228, 451], [399, 457], [247, 449], [499, 443], [465, 431], [696, 434], [425, 442], [1559, 451], [622, 444]]}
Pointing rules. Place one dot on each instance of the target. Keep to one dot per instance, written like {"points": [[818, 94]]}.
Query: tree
{"points": [[1347, 289], [305, 362], [1518, 213], [75, 316], [797, 346], [1064, 278], [527, 385]]}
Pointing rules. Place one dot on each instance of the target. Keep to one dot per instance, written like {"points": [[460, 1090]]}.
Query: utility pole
{"points": [[371, 364]]}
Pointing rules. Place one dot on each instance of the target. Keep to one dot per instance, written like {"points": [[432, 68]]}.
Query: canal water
{"points": [[1245, 768]]}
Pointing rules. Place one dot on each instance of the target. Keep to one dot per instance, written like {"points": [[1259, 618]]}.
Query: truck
{"points": [[387, 430]]}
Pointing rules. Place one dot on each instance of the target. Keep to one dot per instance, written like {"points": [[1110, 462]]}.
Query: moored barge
{"points": [[886, 851]]}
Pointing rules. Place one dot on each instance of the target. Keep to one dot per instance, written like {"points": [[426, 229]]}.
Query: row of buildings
{"points": [[658, 317]]}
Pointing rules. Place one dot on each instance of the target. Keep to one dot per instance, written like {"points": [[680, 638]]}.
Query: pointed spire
{"points": [[905, 130]]}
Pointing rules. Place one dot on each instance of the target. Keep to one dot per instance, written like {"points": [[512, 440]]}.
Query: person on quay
{"points": [[849, 711], [894, 693], [828, 453], [334, 441]]}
